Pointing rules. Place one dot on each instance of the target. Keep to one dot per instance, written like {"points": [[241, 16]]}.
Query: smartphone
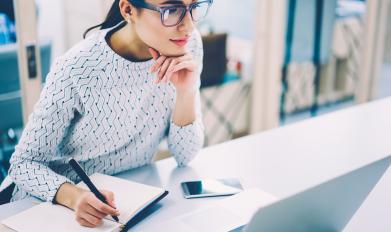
{"points": [[211, 188]]}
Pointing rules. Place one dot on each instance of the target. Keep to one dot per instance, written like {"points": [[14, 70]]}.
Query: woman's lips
{"points": [[180, 42]]}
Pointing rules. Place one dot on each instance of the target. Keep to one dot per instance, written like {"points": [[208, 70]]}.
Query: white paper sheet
{"points": [[224, 215], [47, 217]]}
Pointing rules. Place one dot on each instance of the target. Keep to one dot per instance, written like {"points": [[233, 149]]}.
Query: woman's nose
{"points": [[187, 23]]}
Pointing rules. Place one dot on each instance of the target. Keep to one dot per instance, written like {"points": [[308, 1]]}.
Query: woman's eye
{"points": [[173, 11], [170, 12]]}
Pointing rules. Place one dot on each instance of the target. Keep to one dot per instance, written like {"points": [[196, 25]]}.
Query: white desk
{"points": [[281, 162]]}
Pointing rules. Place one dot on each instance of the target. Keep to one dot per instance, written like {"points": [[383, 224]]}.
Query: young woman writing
{"points": [[109, 101]]}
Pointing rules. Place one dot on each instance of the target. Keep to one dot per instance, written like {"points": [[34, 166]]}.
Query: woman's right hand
{"points": [[89, 210]]}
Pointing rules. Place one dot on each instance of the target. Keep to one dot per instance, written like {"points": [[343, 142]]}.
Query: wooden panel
{"points": [[26, 27], [269, 50]]}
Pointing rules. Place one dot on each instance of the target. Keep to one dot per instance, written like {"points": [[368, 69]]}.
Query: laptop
{"points": [[328, 206]]}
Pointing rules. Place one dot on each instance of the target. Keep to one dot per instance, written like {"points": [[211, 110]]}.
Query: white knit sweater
{"points": [[105, 112]]}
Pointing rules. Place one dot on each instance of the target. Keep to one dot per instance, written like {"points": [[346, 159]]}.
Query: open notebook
{"points": [[131, 200]]}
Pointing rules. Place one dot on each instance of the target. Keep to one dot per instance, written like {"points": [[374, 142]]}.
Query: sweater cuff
{"points": [[185, 141], [52, 192]]}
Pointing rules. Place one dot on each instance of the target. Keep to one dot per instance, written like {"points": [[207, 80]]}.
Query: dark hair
{"points": [[113, 18]]}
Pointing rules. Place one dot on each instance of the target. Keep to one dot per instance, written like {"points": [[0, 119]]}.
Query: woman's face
{"points": [[169, 41]]}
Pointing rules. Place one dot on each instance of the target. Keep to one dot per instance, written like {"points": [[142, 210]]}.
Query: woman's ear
{"points": [[127, 10]]}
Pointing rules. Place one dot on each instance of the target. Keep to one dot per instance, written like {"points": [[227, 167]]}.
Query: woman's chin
{"points": [[174, 51]]}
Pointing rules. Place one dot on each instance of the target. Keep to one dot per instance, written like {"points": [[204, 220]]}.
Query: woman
{"points": [[109, 101]]}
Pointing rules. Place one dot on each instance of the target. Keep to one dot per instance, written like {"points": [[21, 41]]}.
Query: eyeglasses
{"points": [[173, 15]]}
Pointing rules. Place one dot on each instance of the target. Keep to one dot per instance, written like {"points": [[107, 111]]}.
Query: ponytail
{"points": [[113, 18]]}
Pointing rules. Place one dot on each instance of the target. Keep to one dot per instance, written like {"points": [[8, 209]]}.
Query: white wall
{"points": [[81, 15], [238, 19], [51, 24], [388, 40], [64, 21]]}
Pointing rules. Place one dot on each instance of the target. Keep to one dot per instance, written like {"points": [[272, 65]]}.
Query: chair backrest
{"points": [[215, 59], [10, 94]]}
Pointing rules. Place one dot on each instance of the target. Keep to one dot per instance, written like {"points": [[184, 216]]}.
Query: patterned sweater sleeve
{"points": [[184, 142], [46, 128]]}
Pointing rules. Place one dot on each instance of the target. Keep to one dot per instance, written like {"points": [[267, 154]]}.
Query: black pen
{"points": [[83, 176]]}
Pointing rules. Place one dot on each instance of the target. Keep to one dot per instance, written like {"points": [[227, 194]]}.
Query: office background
{"points": [[319, 69]]}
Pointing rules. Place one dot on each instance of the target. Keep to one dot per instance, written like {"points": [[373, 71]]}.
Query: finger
{"points": [[169, 73], [158, 63], [102, 207], [164, 68], [189, 65], [173, 64], [91, 210], [84, 222], [109, 196], [155, 54], [187, 57], [184, 58], [90, 218]]}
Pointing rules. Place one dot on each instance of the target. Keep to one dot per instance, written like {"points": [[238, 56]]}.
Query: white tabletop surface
{"points": [[281, 161]]}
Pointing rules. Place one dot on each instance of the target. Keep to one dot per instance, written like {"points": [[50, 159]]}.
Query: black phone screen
{"points": [[211, 187]]}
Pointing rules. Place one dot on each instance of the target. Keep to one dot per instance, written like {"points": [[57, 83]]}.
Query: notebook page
{"points": [[130, 197], [47, 217]]}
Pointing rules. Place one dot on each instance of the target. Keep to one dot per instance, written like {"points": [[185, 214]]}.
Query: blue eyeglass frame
{"points": [[161, 10]]}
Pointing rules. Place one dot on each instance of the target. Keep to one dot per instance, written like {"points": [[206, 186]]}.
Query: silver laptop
{"points": [[326, 207]]}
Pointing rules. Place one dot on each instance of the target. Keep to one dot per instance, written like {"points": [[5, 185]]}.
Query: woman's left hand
{"points": [[181, 71]]}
